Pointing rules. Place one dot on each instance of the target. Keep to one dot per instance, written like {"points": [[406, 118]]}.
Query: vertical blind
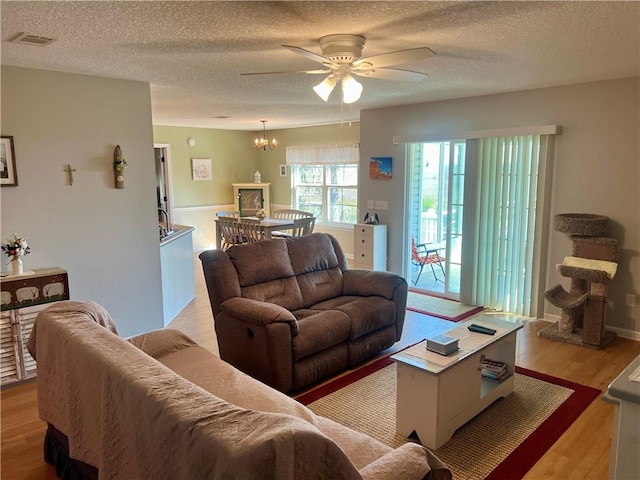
{"points": [[342, 154], [504, 195]]}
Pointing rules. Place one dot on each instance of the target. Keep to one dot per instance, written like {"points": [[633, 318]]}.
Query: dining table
{"points": [[267, 225]]}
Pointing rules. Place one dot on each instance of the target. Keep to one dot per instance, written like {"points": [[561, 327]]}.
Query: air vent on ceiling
{"points": [[29, 39]]}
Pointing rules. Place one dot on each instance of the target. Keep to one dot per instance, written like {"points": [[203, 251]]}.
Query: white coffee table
{"points": [[438, 394]]}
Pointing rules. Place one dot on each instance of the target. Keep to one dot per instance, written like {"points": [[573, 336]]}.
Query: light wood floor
{"points": [[581, 453]]}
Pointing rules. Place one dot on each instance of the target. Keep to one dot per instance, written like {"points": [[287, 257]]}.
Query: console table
{"points": [[437, 394], [22, 298]]}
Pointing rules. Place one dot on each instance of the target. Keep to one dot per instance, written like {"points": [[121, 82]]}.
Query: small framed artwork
{"points": [[201, 168], [283, 170], [8, 174], [380, 167]]}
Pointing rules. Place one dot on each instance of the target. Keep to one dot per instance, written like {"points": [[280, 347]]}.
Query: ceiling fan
{"points": [[342, 58]]}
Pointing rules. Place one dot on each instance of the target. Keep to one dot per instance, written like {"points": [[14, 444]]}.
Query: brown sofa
{"points": [[289, 312], [161, 407]]}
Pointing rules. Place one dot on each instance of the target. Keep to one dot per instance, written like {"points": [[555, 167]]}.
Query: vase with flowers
{"points": [[119, 166], [16, 248]]}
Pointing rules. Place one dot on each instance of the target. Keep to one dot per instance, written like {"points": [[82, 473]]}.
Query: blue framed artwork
{"points": [[380, 167]]}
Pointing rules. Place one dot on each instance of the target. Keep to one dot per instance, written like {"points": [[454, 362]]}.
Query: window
{"points": [[324, 180], [329, 191]]}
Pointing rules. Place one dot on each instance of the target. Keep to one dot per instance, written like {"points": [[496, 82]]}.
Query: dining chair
{"points": [[228, 213], [289, 214], [251, 229], [426, 254], [231, 232], [303, 226]]}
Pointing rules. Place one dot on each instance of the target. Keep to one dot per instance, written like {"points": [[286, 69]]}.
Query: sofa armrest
{"points": [[392, 286], [259, 313], [371, 282], [409, 461]]}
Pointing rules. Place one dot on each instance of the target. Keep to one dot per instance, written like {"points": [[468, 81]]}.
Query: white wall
{"points": [[597, 165], [107, 239]]}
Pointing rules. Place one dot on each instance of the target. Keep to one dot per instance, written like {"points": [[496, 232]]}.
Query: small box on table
{"points": [[442, 344]]}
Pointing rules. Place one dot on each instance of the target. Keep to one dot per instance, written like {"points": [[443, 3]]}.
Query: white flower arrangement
{"points": [[16, 247]]}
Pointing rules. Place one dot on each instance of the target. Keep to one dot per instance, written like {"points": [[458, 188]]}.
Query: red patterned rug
{"points": [[516, 430]]}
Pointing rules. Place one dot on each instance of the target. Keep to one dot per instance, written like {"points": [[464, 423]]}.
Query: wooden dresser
{"points": [[22, 298], [370, 246]]}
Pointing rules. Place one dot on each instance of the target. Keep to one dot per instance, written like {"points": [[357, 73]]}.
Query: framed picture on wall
{"points": [[380, 167], [8, 174], [201, 168], [283, 170]]}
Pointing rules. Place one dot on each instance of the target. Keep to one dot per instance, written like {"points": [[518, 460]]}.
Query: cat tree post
{"points": [[591, 266]]}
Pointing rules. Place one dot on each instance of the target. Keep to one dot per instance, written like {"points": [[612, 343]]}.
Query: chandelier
{"points": [[264, 143]]}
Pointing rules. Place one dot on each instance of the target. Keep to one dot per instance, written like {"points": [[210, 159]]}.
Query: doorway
{"points": [[163, 181], [436, 186]]}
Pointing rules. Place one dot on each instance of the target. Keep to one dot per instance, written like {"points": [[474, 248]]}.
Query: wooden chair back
{"points": [[290, 214], [230, 232], [228, 213], [303, 226], [251, 229]]}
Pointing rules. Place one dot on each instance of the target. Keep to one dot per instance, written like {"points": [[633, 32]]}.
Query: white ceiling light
{"points": [[325, 88], [264, 143], [351, 89]]}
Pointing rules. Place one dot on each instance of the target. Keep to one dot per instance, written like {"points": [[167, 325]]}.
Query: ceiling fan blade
{"points": [[313, 56], [398, 57], [312, 72], [392, 74]]}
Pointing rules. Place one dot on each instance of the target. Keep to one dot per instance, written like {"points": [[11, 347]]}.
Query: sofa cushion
{"points": [[367, 314], [319, 332], [314, 367], [320, 285], [316, 266], [284, 292], [263, 262]]}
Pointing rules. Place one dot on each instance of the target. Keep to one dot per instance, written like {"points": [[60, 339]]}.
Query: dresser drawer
{"points": [[363, 257], [364, 230], [362, 242]]}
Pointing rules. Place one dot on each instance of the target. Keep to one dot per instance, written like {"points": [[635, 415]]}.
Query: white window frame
{"points": [[323, 156]]}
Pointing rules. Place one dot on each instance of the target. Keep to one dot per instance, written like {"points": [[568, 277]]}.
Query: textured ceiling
{"points": [[192, 52]]}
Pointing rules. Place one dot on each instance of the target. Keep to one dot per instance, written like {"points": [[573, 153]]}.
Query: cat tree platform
{"points": [[590, 268]]}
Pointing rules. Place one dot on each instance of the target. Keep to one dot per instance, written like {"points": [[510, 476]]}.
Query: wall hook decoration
{"points": [[69, 170], [119, 166]]}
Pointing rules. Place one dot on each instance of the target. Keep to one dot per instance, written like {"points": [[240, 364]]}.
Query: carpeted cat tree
{"points": [[591, 266]]}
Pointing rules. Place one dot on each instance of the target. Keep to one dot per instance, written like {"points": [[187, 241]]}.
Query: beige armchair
{"points": [[289, 312]]}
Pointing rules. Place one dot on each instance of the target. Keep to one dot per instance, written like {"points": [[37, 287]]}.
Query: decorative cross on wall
{"points": [[69, 172]]}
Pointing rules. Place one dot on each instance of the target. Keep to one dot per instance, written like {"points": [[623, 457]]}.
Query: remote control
{"points": [[480, 329]]}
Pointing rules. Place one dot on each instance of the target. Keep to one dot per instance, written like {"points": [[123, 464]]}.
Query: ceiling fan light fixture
{"points": [[324, 88], [351, 89]]}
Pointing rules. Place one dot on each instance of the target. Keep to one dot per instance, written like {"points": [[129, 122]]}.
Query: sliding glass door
{"points": [[478, 219], [436, 214]]}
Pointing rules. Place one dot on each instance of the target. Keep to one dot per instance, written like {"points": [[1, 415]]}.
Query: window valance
{"points": [[342, 154]]}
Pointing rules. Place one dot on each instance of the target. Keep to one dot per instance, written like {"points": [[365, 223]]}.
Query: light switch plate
{"points": [[381, 205], [371, 204]]}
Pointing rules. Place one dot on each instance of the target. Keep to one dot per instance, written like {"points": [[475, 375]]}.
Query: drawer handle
{"points": [[362, 240], [362, 255]]}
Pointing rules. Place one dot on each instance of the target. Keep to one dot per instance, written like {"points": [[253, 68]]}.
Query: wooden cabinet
{"points": [[251, 197], [23, 297], [370, 247]]}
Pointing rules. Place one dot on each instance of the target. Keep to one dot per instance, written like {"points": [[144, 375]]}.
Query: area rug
{"points": [[502, 442], [440, 307]]}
